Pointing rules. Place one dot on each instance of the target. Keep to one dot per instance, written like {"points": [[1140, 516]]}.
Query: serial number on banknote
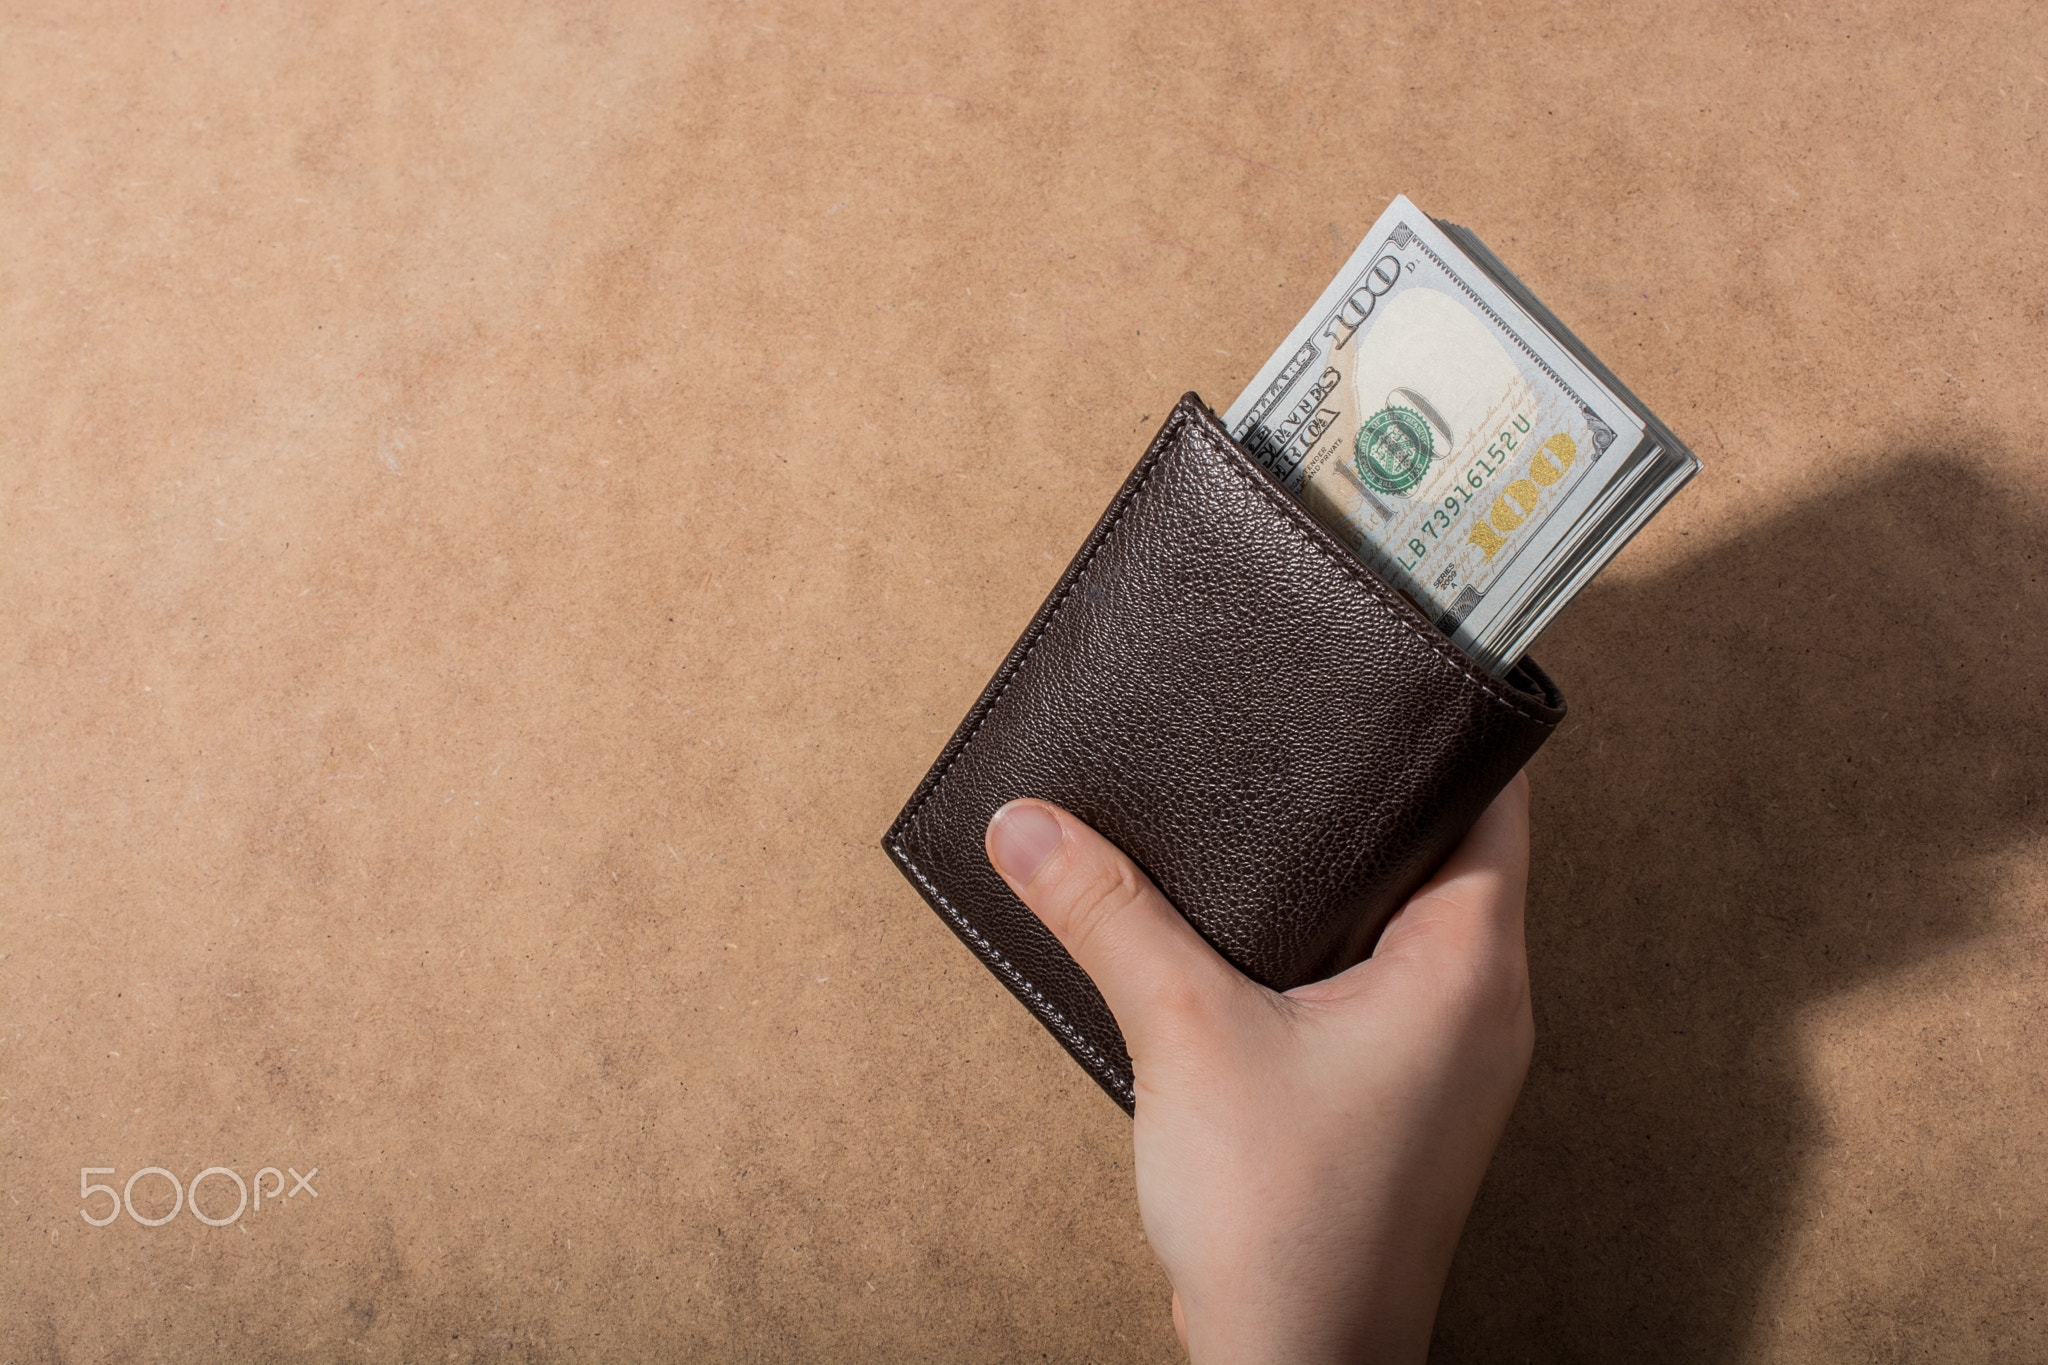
{"points": [[1421, 417]]}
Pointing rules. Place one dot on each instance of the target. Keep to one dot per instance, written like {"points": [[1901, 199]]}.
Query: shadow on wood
{"points": [[1794, 766]]}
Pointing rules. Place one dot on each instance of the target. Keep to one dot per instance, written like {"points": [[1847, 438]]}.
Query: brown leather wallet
{"points": [[1282, 741]]}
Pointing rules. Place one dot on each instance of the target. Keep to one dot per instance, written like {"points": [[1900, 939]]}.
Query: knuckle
{"points": [[1181, 1007], [1492, 999], [1098, 894]]}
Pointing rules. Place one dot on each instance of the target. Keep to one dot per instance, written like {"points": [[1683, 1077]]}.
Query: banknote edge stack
{"points": [[1645, 478], [1664, 464]]}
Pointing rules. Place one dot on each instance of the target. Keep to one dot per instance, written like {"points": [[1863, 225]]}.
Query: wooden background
{"points": [[501, 507]]}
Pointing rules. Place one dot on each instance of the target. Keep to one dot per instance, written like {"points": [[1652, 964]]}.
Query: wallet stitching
{"points": [[1046, 1011], [1353, 571], [1059, 605]]}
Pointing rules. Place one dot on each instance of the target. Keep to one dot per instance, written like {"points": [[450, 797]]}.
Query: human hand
{"points": [[1304, 1161]]}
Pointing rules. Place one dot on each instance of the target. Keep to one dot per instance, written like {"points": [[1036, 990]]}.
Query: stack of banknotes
{"points": [[1439, 420]]}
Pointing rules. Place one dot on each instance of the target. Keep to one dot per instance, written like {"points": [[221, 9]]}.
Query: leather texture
{"points": [[1282, 741]]}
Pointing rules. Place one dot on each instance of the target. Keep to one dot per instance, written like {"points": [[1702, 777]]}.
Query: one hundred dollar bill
{"points": [[1446, 427]]}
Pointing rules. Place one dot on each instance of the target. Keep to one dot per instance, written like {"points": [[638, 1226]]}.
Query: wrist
{"points": [[1312, 1328]]}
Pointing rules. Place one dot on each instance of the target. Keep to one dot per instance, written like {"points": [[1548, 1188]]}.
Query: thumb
{"points": [[1151, 966]]}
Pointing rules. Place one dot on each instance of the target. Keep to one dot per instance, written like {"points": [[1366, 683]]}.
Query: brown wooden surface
{"points": [[499, 511]]}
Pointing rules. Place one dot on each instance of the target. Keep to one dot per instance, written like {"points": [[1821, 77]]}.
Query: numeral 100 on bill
{"points": [[187, 1196]]}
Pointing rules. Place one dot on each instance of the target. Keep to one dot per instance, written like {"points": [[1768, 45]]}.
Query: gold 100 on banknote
{"points": [[1443, 424]]}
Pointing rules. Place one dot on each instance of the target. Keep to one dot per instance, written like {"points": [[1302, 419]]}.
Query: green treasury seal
{"points": [[1394, 449]]}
